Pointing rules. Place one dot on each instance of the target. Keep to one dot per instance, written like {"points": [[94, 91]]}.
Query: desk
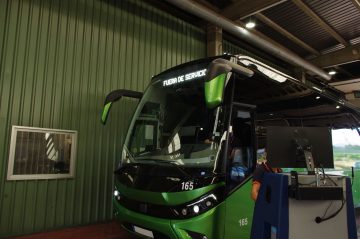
{"points": [[295, 219]]}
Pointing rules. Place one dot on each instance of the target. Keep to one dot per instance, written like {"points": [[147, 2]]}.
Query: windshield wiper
{"points": [[124, 166]]}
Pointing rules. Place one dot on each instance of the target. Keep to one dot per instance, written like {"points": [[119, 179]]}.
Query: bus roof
{"points": [[289, 99]]}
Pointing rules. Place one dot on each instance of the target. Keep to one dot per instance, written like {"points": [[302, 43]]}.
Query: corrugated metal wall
{"points": [[58, 59]]}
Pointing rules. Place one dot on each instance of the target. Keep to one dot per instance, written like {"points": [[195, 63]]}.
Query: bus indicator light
{"points": [[184, 212]]}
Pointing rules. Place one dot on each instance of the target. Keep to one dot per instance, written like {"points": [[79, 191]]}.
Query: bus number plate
{"points": [[185, 186]]}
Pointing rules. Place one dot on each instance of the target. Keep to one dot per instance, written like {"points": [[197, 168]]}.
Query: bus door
{"points": [[240, 164]]}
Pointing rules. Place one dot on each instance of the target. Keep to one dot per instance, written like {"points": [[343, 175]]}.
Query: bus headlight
{"points": [[117, 194], [197, 207]]}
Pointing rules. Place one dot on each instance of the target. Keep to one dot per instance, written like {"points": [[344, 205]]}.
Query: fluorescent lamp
{"points": [[250, 25], [316, 88], [332, 72], [265, 69]]}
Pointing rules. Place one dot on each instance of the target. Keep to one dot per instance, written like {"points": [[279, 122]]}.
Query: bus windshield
{"points": [[172, 125]]}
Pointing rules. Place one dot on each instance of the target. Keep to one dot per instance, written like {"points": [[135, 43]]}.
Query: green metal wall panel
{"points": [[58, 60]]}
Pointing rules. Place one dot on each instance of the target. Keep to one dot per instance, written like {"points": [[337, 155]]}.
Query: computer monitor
{"points": [[285, 146]]}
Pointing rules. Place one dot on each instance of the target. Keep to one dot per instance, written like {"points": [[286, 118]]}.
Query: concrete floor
{"points": [[111, 230]]}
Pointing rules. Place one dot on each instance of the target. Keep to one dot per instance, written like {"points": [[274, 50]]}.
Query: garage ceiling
{"points": [[327, 33]]}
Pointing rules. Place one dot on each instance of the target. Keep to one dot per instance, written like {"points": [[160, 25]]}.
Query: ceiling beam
{"points": [[347, 82], [356, 3], [208, 5], [244, 8], [214, 40], [300, 4], [342, 70], [347, 86], [339, 57], [285, 33], [242, 24]]}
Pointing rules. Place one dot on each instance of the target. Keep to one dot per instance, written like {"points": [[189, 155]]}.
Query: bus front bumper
{"points": [[145, 226]]}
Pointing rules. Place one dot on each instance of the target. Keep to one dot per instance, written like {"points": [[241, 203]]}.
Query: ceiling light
{"points": [[317, 97], [332, 72], [265, 69], [316, 88], [338, 107], [250, 24]]}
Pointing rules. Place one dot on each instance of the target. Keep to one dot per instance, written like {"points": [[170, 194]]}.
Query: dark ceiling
{"points": [[333, 25], [327, 33]]}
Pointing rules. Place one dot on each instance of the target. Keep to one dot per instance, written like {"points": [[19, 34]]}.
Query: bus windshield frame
{"points": [[172, 125]]}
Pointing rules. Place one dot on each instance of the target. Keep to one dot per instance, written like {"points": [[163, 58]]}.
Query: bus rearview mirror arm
{"points": [[115, 96], [215, 79]]}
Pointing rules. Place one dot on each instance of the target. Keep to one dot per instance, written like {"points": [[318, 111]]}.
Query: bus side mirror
{"points": [[115, 96], [215, 80]]}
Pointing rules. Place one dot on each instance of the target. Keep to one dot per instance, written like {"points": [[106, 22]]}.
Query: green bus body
{"points": [[230, 219], [161, 175]]}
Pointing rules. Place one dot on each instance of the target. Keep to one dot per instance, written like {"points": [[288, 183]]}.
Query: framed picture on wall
{"points": [[40, 153]]}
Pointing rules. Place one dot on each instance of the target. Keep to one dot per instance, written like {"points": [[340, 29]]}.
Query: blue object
{"points": [[271, 213], [273, 232], [238, 173]]}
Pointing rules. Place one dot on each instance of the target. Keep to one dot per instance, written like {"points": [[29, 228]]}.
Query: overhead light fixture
{"points": [[338, 107], [332, 72], [250, 24], [317, 88], [317, 97], [270, 72]]}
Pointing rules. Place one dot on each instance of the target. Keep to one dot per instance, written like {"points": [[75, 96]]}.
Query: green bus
{"points": [[188, 157]]}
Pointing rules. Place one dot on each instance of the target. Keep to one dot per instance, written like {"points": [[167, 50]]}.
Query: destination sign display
{"points": [[185, 77]]}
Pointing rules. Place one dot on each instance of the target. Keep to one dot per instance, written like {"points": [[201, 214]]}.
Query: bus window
{"points": [[144, 139], [175, 144], [145, 131], [240, 145], [346, 149]]}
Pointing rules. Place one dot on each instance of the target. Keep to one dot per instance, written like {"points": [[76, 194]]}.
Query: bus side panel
{"points": [[239, 213]]}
